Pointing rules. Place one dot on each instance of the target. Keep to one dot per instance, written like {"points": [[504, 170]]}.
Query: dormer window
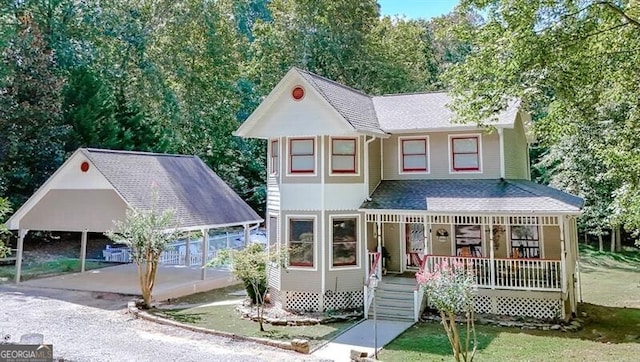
{"points": [[274, 159], [465, 153], [302, 157], [343, 156], [414, 154]]}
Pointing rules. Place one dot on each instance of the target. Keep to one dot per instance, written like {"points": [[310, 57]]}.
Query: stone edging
{"points": [[570, 326], [295, 345]]}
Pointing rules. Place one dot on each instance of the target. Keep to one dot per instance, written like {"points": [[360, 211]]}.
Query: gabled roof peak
{"points": [[318, 76]]}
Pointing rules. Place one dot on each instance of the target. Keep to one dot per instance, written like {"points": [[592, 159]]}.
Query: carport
{"points": [[94, 187]]}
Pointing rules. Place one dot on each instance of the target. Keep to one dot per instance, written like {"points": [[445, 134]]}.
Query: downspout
{"points": [[365, 167], [502, 161], [324, 244]]}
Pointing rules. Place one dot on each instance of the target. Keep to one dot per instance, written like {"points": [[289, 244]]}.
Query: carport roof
{"points": [[184, 183], [200, 198]]}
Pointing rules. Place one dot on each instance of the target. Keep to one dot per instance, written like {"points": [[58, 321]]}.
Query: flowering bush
{"points": [[450, 288]]}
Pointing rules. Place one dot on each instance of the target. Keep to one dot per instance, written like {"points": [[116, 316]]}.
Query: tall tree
{"points": [[575, 64], [30, 112]]}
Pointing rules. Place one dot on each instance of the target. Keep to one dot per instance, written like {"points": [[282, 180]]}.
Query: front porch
{"points": [[523, 265]]}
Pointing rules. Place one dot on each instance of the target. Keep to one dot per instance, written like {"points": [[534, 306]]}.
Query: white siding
{"points": [[273, 194]]}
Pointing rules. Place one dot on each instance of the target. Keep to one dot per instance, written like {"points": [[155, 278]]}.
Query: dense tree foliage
{"points": [[574, 63], [180, 76]]}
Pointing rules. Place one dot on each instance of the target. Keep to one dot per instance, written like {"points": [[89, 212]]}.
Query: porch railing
{"points": [[372, 267], [515, 274]]}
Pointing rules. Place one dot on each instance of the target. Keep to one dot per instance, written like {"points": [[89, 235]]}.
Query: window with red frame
{"points": [[414, 155], [275, 157], [301, 242], [343, 155], [465, 154], [302, 157]]}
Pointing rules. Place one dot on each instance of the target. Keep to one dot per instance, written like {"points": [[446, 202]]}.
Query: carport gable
{"points": [[76, 197]]}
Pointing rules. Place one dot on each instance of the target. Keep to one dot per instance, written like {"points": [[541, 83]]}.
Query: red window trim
{"points": [[426, 144], [274, 167], [454, 153], [289, 241], [355, 152], [291, 155]]}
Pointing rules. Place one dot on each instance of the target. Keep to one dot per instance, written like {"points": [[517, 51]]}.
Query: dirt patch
{"points": [[42, 247]]}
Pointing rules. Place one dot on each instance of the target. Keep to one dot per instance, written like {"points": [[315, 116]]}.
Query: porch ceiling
{"points": [[472, 196]]}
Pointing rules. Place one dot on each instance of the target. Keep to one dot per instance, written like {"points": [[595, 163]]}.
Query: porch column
{"points": [[492, 264], [205, 249], [83, 250], [379, 249], [21, 234], [563, 256], [427, 236], [187, 250]]}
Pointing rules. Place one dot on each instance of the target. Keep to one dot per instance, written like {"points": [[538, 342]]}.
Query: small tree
{"points": [[250, 266], [4, 209], [450, 289], [147, 233]]}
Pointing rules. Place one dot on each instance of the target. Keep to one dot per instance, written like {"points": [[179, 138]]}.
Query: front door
{"points": [[414, 245]]}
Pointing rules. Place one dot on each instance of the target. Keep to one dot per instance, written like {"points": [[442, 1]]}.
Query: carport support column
{"points": [[205, 249], [83, 251], [21, 235], [187, 250], [246, 234]]}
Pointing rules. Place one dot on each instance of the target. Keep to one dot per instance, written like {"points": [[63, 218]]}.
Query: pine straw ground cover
{"points": [[611, 315], [218, 310]]}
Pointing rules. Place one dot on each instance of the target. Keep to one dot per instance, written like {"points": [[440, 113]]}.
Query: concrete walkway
{"points": [[361, 338]]}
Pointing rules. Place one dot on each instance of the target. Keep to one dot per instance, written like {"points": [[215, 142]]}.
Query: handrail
{"points": [[373, 268], [511, 273]]}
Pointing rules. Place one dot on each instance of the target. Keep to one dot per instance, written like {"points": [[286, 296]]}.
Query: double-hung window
{"points": [[345, 242], [465, 153], [274, 159], [343, 155], [414, 154], [302, 157], [301, 242]]}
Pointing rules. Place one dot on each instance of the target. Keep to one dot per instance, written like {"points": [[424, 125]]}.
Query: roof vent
{"points": [[297, 93]]}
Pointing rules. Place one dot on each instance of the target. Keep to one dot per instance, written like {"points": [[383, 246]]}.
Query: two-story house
{"points": [[352, 175]]}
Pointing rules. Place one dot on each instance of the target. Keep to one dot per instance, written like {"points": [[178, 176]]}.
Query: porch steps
{"points": [[394, 299]]}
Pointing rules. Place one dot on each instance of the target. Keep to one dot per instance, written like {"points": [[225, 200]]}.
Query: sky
{"points": [[414, 9]]}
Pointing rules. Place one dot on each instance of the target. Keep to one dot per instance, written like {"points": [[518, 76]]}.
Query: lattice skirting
{"points": [[482, 304], [300, 301], [343, 300], [539, 308], [529, 307]]}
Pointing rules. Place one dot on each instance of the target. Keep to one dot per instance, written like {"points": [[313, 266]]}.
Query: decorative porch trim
{"points": [[407, 216]]}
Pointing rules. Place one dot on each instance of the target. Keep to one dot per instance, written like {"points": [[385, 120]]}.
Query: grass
{"points": [[196, 309], [225, 318], [47, 268], [611, 294]]}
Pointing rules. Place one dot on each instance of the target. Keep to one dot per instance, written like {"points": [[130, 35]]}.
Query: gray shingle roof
{"points": [[484, 195], [184, 183], [405, 112], [355, 106], [396, 112]]}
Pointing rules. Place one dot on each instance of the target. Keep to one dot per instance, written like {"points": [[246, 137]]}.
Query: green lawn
{"points": [[48, 268], [225, 318], [611, 295]]}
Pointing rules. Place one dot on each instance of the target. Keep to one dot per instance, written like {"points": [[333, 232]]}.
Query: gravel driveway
{"points": [[85, 326]]}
